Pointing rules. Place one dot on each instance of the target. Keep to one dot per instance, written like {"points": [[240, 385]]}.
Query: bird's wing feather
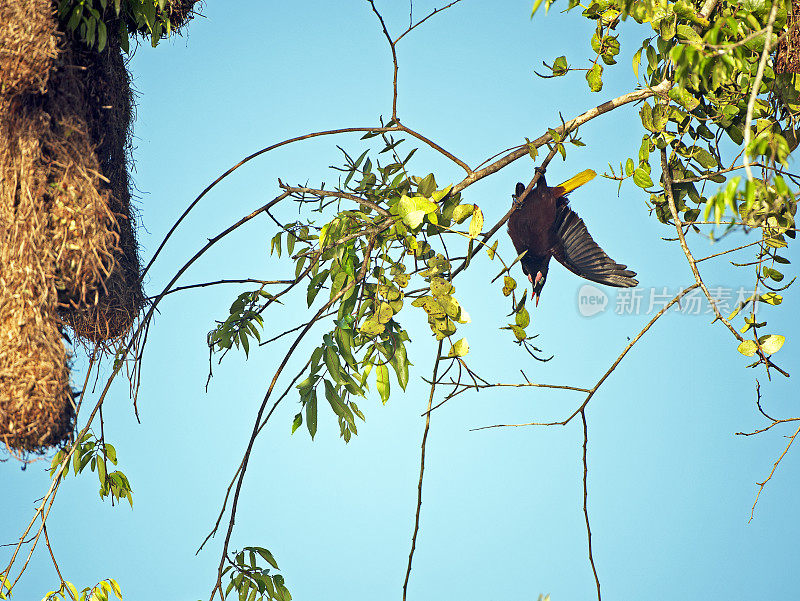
{"points": [[576, 250]]}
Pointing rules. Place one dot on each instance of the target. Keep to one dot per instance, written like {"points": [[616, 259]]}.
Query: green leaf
{"points": [[641, 178], [332, 362], [518, 332], [450, 305], [459, 349], [646, 116], [476, 223], [73, 591], [400, 363], [661, 113], [594, 78], [427, 186], [336, 403], [382, 382], [560, 66], [344, 338], [705, 158], [298, 421], [371, 327], [267, 557], [111, 453], [311, 414], [748, 348], [440, 286], [684, 98], [461, 212], [102, 36], [523, 318], [771, 343]]}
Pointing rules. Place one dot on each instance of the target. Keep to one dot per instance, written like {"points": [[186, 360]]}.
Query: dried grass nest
{"points": [[68, 252]]}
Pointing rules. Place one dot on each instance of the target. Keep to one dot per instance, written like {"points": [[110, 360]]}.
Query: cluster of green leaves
{"points": [[522, 318], [96, 454], [253, 582], [367, 336], [365, 258], [242, 323], [101, 591], [92, 20], [712, 64]]}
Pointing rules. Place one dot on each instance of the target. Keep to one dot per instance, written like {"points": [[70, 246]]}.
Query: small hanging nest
{"points": [[787, 58]]}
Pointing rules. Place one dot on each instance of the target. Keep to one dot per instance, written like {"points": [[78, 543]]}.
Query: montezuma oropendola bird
{"points": [[545, 226]]}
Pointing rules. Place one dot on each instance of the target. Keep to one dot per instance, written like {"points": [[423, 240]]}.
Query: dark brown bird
{"points": [[544, 226]]}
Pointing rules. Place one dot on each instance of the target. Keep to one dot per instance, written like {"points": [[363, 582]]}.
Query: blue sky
{"points": [[670, 486]]}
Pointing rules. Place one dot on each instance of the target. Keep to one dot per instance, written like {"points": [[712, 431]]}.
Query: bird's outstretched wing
{"points": [[576, 250]]}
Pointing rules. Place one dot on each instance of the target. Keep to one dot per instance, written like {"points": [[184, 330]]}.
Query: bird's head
{"points": [[537, 274]]}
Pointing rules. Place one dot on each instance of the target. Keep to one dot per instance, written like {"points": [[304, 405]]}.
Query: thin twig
{"points": [[761, 485], [585, 501], [247, 159], [394, 58], [420, 22], [422, 468]]}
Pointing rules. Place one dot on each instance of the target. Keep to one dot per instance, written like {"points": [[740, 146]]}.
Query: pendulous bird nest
{"points": [[68, 252]]}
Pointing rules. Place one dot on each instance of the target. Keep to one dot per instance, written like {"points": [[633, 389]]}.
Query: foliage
{"points": [[96, 453], [91, 20], [712, 62], [100, 592], [252, 582]]}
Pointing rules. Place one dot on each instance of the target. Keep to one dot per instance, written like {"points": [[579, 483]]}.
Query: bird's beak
{"points": [[536, 282], [577, 181]]}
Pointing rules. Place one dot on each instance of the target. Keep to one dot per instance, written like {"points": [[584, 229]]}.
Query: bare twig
{"points": [[247, 159], [422, 469], [761, 485], [421, 21], [585, 502]]}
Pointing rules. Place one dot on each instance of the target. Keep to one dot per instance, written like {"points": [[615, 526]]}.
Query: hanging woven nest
{"points": [[104, 90], [64, 215]]}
